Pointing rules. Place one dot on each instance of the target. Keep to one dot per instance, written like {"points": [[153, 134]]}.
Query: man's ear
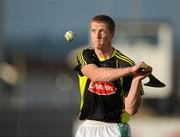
{"points": [[113, 34]]}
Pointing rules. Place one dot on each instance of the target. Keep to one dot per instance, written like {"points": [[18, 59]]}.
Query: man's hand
{"points": [[141, 70]]}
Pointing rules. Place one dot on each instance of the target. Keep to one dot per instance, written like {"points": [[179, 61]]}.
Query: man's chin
{"points": [[98, 46]]}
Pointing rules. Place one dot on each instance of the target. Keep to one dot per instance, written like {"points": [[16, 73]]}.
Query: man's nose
{"points": [[98, 35]]}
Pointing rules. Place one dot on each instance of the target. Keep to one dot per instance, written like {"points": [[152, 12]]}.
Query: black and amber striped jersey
{"points": [[103, 101]]}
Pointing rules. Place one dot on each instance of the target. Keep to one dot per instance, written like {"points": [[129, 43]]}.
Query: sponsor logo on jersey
{"points": [[102, 88]]}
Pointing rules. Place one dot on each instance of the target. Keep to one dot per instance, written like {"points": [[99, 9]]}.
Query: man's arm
{"points": [[109, 74], [134, 100], [105, 74]]}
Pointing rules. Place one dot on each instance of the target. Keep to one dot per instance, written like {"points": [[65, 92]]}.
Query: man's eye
{"points": [[103, 32]]}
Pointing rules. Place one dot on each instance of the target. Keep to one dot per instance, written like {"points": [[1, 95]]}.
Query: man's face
{"points": [[100, 35]]}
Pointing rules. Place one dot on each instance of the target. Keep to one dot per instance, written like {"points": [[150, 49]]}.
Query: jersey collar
{"points": [[113, 54]]}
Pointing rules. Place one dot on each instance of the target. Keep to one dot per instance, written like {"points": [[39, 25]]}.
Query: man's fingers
{"points": [[143, 66], [142, 69]]}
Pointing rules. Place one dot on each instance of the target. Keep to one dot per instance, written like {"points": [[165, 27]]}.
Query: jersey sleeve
{"points": [[85, 57]]}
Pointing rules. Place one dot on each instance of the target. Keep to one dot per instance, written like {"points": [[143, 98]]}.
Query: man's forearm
{"points": [[133, 100], [106, 74]]}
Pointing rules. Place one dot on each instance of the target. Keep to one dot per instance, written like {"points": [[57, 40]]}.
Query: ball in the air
{"points": [[69, 36]]}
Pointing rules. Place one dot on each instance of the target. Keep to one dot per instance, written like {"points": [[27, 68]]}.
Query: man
{"points": [[110, 84]]}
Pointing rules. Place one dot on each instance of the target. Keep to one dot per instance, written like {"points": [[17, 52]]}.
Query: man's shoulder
{"points": [[86, 54], [124, 57], [86, 50]]}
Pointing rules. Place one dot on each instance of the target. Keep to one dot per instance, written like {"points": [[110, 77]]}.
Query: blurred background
{"points": [[39, 93]]}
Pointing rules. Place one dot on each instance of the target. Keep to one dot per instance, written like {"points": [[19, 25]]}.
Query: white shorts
{"points": [[91, 128]]}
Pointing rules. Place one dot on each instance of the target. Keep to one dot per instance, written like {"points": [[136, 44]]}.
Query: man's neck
{"points": [[104, 53]]}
